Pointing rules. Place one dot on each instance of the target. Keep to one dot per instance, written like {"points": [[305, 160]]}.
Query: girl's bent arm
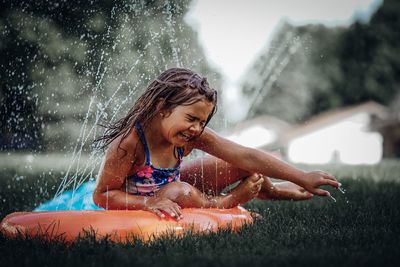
{"points": [[119, 158], [117, 162], [257, 161]]}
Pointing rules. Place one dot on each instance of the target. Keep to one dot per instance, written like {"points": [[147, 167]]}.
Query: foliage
{"points": [[329, 67], [65, 65]]}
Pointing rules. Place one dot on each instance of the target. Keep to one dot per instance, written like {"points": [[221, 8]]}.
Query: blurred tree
{"points": [[369, 57], [293, 68], [329, 67], [67, 64], [274, 83]]}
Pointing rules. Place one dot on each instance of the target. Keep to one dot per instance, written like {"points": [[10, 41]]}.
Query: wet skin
{"points": [[178, 127], [188, 196], [170, 129], [183, 127], [220, 174]]}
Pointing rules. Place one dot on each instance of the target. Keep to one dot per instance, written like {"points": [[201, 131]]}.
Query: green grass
{"points": [[362, 228]]}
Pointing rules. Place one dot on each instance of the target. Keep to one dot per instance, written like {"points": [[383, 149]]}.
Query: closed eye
{"points": [[191, 119]]}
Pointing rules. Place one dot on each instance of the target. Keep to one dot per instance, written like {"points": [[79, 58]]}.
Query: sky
{"points": [[233, 32]]}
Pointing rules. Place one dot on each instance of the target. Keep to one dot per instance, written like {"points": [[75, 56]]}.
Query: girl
{"points": [[142, 165]]}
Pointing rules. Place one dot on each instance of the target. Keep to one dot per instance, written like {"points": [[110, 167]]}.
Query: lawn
{"points": [[361, 228]]}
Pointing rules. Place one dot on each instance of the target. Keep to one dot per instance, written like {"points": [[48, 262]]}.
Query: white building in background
{"points": [[261, 132], [341, 136]]}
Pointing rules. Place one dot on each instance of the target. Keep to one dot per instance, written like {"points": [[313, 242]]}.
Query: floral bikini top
{"points": [[149, 179]]}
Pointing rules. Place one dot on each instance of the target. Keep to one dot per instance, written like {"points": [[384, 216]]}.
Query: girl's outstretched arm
{"points": [[258, 161], [212, 175]]}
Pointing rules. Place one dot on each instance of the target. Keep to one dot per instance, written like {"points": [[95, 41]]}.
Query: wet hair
{"points": [[174, 87]]}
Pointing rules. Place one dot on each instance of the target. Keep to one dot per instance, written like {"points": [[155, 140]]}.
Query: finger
{"points": [[321, 192], [171, 212], [179, 209], [302, 196], [308, 195], [158, 213], [177, 206], [176, 209], [165, 211], [329, 176], [174, 212], [332, 183]]}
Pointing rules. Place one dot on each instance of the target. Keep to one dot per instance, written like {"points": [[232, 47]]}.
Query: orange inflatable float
{"points": [[118, 225]]}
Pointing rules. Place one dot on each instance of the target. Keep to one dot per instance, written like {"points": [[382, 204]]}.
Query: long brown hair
{"points": [[174, 87]]}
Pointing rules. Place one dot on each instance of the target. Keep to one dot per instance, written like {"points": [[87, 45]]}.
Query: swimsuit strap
{"points": [[143, 139], [180, 153], [146, 148]]}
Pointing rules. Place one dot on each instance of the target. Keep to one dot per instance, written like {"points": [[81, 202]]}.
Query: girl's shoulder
{"points": [[128, 141], [127, 145]]}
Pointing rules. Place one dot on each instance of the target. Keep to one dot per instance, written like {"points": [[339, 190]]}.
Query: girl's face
{"points": [[184, 123]]}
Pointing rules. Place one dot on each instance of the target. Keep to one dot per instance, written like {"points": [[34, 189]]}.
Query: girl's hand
{"points": [[282, 191], [311, 181], [158, 205]]}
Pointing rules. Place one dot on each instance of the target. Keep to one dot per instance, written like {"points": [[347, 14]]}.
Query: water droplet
{"points": [[342, 190], [334, 199]]}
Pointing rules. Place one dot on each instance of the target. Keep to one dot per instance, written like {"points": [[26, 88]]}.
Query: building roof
{"points": [[330, 117]]}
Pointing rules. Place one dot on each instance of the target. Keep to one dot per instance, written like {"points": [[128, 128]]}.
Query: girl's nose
{"points": [[195, 127]]}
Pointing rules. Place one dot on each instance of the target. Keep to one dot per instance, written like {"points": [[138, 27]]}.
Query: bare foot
{"points": [[247, 189], [282, 191]]}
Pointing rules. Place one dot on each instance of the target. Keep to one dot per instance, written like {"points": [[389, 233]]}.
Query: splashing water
{"points": [[126, 196], [97, 109], [107, 198], [202, 175], [103, 107], [271, 72], [216, 178], [341, 190]]}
